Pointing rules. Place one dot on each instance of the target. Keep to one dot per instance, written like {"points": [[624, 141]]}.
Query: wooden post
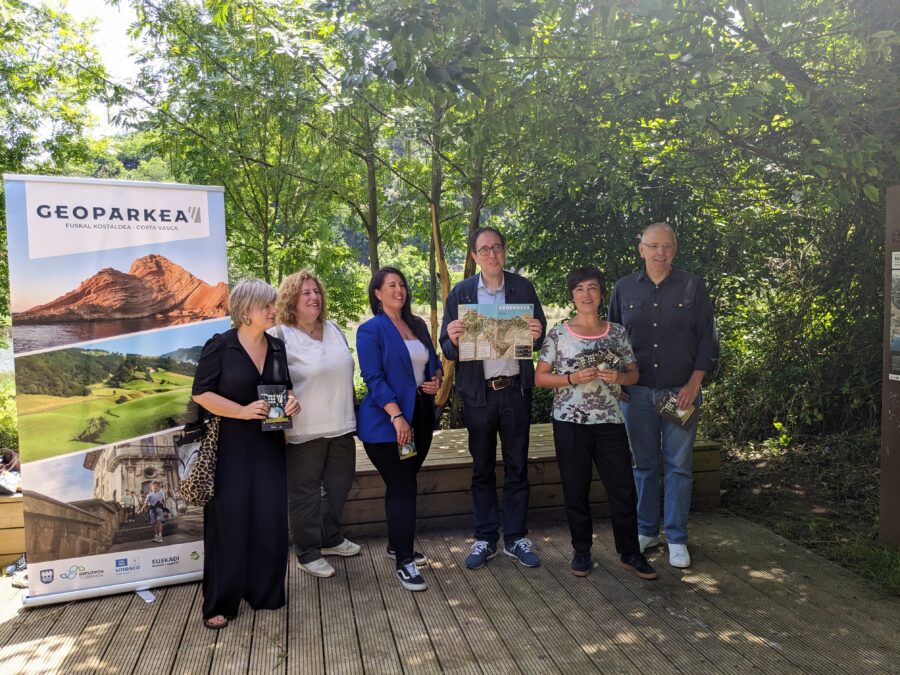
{"points": [[889, 518]]}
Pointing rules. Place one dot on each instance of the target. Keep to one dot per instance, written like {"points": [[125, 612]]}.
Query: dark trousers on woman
{"points": [[400, 480], [245, 528], [578, 446], [320, 473]]}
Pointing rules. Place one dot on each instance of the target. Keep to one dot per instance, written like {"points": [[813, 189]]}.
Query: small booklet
{"points": [[276, 395], [684, 417], [408, 450], [606, 359]]}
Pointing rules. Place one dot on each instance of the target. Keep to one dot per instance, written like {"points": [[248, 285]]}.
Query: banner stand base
{"points": [[87, 593], [146, 596]]}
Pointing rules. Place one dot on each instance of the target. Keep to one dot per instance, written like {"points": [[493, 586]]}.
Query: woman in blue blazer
{"points": [[402, 373]]}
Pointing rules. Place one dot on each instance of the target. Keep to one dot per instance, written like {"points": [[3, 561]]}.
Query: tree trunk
{"points": [[476, 195], [371, 196]]}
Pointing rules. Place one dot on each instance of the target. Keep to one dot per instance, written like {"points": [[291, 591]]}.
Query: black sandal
{"points": [[216, 626]]}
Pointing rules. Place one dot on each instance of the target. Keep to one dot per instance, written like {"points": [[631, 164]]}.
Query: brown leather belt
{"points": [[498, 383]]}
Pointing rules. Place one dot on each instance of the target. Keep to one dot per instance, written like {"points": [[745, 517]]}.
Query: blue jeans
{"points": [[651, 437]]}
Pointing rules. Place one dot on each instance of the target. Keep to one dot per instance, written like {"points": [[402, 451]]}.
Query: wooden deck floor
{"points": [[752, 602]]}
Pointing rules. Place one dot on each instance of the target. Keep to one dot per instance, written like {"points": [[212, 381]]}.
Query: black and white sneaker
{"points": [[410, 578], [420, 558]]}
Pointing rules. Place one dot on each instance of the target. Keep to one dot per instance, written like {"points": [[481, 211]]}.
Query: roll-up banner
{"points": [[114, 288]]}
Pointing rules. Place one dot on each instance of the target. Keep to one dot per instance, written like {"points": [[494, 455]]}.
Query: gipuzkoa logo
{"points": [[116, 213], [81, 572], [46, 576], [73, 572]]}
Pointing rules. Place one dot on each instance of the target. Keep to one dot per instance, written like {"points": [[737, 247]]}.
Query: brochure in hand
{"points": [[496, 332], [606, 359], [683, 417], [276, 395]]}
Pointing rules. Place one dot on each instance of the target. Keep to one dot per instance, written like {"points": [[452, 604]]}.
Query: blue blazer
{"points": [[385, 366]]}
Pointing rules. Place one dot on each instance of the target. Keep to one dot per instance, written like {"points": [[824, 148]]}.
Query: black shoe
{"points": [[419, 558], [410, 578], [581, 563], [636, 563]]}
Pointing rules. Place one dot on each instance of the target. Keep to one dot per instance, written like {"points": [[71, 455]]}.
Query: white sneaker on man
{"points": [[646, 542], [318, 568], [346, 548], [679, 556]]}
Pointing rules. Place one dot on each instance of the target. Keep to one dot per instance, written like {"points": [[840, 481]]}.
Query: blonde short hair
{"points": [[289, 293], [247, 295]]}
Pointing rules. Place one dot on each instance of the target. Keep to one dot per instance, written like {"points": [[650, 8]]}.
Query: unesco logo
{"points": [[126, 566]]}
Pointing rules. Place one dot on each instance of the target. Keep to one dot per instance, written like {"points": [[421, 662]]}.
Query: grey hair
{"points": [[247, 295], [660, 226]]}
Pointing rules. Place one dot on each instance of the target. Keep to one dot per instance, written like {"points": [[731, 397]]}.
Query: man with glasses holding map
{"points": [[508, 323]]}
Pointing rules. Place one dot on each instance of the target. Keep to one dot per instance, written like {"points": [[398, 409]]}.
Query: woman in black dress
{"points": [[245, 532]]}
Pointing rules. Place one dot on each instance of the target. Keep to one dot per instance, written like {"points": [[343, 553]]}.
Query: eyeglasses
{"points": [[665, 248], [486, 250]]}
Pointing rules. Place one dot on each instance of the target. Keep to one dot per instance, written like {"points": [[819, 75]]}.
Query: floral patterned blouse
{"points": [[565, 352]]}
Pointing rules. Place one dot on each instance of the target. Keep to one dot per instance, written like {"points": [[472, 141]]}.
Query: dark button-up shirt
{"points": [[670, 326]]}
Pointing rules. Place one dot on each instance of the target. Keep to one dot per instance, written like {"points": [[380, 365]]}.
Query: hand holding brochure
{"points": [[276, 395], [683, 417], [496, 332], [605, 359]]}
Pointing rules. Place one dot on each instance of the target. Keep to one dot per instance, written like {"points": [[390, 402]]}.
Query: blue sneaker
{"points": [[523, 550], [481, 552]]}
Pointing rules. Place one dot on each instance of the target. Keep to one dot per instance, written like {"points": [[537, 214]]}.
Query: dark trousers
{"points": [[606, 447], [245, 526], [320, 473], [399, 477], [507, 412]]}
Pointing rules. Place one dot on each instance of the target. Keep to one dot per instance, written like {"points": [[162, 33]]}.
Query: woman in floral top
{"points": [[587, 360]]}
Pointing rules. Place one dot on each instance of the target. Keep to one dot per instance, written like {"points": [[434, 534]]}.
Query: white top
{"points": [[322, 374], [419, 357]]}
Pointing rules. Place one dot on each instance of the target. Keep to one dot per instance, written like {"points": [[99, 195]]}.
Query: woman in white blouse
{"points": [[321, 452]]}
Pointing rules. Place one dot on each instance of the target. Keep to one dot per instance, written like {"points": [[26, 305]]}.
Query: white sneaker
{"points": [[646, 542], [318, 568], [346, 548], [679, 556]]}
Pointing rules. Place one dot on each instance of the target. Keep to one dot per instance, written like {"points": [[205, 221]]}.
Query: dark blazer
{"points": [[470, 374], [385, 366]]}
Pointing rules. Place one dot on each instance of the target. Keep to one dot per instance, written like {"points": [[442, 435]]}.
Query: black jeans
{"points": [[400, 480], [507, 412], [319, 476], [606, 447]]}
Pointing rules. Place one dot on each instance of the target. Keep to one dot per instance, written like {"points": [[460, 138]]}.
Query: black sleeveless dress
{"points": [[245, 529]]}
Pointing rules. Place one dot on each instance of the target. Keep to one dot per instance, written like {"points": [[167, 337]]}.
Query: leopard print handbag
{"points": [[198, 487]]}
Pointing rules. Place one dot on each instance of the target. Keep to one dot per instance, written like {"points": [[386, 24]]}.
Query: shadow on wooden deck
{"points": [[751, 602]]}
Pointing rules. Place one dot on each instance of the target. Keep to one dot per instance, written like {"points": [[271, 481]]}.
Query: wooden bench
{"points": [[445, 499], [12, 529]]}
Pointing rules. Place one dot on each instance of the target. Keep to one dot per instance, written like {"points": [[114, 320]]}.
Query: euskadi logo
{"points": [[166, 561], [46, 576], [127, 565]]}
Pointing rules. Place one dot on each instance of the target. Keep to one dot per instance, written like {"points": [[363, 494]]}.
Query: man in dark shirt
{"points": [[669, 318], [497, 398]]}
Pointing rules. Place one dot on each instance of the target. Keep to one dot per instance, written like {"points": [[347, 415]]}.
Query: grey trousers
{"points": [[319, 476]]}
